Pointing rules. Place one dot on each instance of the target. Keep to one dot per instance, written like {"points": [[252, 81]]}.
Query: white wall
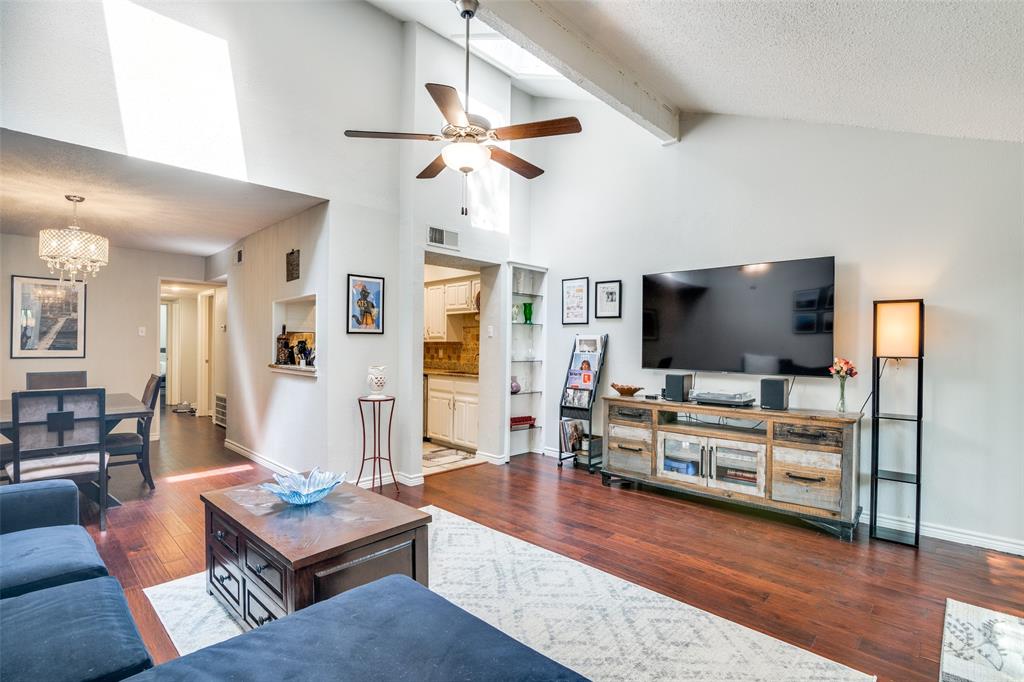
{"points": [[123, 297], [279, 417], [905, 215]]}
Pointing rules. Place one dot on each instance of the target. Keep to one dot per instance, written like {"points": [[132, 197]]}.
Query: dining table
{"points": [[119, 406]]}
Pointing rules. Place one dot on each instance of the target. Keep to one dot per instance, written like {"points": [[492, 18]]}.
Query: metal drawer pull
{"points": [[221, 579], [808, 479], [629, 449], [219, 535], [258, 570], [264, 620]]}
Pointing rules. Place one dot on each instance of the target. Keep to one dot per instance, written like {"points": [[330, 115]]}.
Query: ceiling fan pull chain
{"points": [[465, 194]]}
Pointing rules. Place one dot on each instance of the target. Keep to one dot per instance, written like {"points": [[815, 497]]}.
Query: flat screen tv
{"points": [[761, 318]]}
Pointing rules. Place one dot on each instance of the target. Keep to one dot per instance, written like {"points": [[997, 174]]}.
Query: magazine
{"points": [[576, 397], [585, 361], [572, 433], [580, 378]]}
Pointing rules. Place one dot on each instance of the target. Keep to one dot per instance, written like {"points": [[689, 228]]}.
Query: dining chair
{"points": [[136, 444], [60, 433], [35, 381]]}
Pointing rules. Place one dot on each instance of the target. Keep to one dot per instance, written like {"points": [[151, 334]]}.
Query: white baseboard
{"points": [[958, 535], [491, 458], [258, 458], [550, 452], [277, 467]]}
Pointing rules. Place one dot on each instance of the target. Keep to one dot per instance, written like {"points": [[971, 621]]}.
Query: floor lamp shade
{"points": [[899, 329]]}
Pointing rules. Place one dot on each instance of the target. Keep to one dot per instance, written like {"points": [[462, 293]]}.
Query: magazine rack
{"points": [[576, 406]]}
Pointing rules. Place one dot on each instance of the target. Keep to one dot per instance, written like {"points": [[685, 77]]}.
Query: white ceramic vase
{"points": [[376, 379]]}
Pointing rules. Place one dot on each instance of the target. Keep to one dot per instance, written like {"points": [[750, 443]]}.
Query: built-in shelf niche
{"points": [[298, 317]]}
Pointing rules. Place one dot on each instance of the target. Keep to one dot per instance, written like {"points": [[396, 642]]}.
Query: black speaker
{"points": [[678, 387], [775, 393]]}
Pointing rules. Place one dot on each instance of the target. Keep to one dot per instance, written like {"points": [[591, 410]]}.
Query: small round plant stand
{"points": [[372, 409]]}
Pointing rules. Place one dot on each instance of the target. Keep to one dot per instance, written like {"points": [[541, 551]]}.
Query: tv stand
{"points": [[800, 463]]}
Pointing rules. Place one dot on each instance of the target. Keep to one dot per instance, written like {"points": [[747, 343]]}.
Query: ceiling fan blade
{"points": [[514, 163], [447, 100], [373, 134], [432, 170], [556, 126]]}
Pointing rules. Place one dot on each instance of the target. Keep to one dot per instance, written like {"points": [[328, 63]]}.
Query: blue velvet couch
{"points": [[63, 618]]}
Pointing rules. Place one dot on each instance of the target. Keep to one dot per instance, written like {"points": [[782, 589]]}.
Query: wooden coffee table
{"points": [[266, 559]]}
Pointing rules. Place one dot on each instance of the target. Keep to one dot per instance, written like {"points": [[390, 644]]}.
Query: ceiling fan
{"points": [[471, 140]]}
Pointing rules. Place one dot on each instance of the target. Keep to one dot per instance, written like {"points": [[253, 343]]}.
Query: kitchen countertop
{"points": [[449, 373]]}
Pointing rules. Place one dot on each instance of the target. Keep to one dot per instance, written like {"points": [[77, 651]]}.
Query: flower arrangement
{"points": [[842, 369]]}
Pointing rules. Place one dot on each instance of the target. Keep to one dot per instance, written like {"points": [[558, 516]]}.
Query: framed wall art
{"points": [[47, 318], [365, 305], [576, 300], [608, 299]]}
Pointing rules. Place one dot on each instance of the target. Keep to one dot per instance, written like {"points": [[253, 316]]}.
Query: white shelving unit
{"points": [[526, 351]]}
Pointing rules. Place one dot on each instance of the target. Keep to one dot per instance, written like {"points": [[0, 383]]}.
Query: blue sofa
{"points": [[63, 618]]}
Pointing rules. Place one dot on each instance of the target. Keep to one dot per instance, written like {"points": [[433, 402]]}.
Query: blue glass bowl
{"points": [[300, 490]]}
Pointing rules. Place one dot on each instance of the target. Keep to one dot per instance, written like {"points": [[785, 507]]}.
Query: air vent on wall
{"points": [[448, 239]]}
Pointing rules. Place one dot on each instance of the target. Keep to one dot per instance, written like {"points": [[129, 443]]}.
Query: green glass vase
{"points": [[527, 313]]}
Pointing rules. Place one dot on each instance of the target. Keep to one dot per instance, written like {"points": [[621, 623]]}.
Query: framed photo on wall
{"points": [[608, 299], [365, 305], [576, 300], [47, 318]]}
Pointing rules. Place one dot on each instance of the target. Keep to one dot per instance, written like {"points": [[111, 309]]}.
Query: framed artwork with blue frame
{"points": [[365, 305]]}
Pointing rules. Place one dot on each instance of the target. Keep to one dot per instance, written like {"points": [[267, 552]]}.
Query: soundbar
{"points": [[745, 399]]}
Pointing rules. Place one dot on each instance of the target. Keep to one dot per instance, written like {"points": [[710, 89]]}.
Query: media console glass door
{"points": [[737, 466], [682, 457]]}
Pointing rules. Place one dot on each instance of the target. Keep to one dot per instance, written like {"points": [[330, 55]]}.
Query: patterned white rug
{"points": [[981, 645], [599, 625]]}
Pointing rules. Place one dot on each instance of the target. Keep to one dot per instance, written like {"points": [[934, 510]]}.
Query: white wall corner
{"points": [[543, 31]]}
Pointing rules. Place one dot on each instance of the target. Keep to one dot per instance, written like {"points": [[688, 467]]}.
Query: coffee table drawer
{"points": [[224, 577], [260, 567], [223, 534], [259, 610]]}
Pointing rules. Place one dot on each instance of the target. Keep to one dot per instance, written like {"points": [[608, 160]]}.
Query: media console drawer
{"points": [[634, 415], [807, 477], [811, 434]]}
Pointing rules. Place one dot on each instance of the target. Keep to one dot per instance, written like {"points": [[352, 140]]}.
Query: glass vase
{"points": [[841, 405], [527, 313]]}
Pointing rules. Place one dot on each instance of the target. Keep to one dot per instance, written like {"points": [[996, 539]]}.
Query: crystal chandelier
{"points": [[72, 250]]}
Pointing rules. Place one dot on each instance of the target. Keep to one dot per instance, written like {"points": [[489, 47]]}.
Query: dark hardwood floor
{"points": [[870, 605]]}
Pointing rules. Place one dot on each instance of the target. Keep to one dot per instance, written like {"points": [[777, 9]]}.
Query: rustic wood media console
{"points": [[801, 463]]}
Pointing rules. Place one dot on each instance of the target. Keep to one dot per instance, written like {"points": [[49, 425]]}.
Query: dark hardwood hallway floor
{"points": [[873, 606]]}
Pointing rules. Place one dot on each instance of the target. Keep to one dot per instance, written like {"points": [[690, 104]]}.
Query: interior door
{"points": [[682, 457], [737, 466]]}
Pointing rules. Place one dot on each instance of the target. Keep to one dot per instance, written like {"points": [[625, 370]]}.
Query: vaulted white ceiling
{"points": [[942, 68], [135, 203]]}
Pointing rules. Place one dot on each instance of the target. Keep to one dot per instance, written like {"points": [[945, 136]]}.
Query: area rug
{"points": [[981, 645], [601, 626]]}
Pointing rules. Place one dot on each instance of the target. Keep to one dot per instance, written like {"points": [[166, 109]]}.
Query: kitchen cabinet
{"points": [[434, 316], [474, 291], [453, 410], [458, 297]]}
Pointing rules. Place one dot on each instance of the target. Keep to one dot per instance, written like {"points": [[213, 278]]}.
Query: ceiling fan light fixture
{"points": [[466, 156]]}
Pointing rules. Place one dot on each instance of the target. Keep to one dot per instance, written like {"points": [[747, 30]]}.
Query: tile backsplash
{"points": [[463, 356]]}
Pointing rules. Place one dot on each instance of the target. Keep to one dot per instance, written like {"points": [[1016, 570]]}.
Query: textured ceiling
{"points": [[943, 68], [135, 203]]}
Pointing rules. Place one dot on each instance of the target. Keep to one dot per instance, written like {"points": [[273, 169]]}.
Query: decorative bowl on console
{"points": [[627, 390], [301, 490]]}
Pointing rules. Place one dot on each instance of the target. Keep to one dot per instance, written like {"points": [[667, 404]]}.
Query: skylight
{"points": [[508, 56]]}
